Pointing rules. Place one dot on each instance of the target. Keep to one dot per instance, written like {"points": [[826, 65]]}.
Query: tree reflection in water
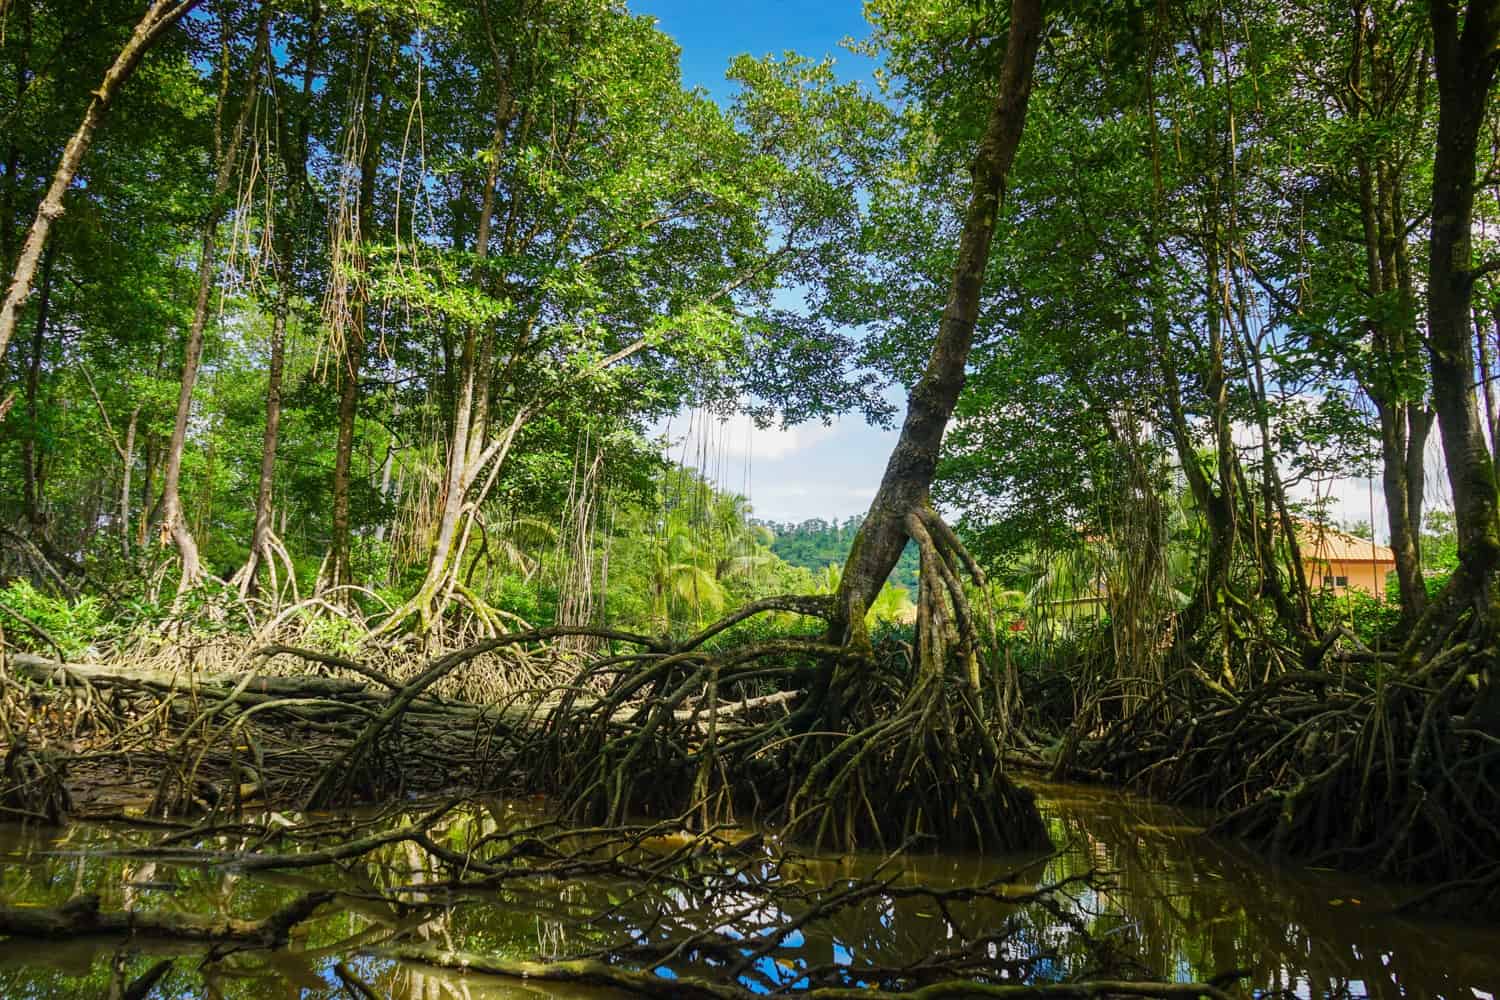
{"points": [[1174, 906]]}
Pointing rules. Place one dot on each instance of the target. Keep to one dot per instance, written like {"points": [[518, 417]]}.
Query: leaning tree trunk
{"points": [[874, 754], [160, 16], [904, 488], [1466, 62]]}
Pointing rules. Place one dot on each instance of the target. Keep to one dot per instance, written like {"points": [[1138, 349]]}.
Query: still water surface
{"points": [[1186, 907]]}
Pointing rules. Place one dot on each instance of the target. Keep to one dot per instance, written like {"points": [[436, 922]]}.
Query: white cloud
{"points": [[1350, 500], [697, 439], [789, 474]]}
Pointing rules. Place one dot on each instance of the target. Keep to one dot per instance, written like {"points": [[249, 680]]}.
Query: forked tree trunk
{"points": [[468, 450], [160, 16], [466, 446], [1465, 59], [908, 475], [1374, 89]]}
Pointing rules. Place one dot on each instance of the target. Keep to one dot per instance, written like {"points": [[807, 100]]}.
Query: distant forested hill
{"points": [[817, 543]]}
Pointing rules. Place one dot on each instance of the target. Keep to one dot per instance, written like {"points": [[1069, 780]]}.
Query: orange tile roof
{"points": [[1325, 544]]}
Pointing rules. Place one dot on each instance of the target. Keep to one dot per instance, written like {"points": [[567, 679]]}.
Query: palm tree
{"points": [[683, 574]]}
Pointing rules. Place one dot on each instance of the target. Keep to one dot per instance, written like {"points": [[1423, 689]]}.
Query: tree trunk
{"points": [[1465, 62], [261, 533], [127, 461], [283, 265], [908, 475], [148, 490], [12, 149], [467, 449], [338, 570], [1489, 402], [1373, 90], [30, 461], [1403, 436], [467, 442], [160, 16], [172, 518], [387, 472]]}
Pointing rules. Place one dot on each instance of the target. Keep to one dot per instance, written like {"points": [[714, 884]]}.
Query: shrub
{"points": [[73, 625]]}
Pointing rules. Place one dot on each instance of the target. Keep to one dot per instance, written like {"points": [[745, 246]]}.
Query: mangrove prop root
{"points": [[208, 742], [1385, 763], [82, 917], [872, 752]]}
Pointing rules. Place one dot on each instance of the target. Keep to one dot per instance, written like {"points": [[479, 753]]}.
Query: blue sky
{"points": [[812, 470], [712, 33]]}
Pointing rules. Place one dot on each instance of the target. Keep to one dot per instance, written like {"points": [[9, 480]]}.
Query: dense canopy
{"points": [[358, 337]]}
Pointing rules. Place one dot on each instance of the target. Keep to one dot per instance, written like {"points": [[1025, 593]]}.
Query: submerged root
{"points": [[82, 917], [589, 972], [33, 784]]}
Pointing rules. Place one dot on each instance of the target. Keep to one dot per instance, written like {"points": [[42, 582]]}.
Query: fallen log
{"points": [[235, 688], [82, 917]]}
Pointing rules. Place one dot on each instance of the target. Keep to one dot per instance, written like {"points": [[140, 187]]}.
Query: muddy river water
{"points": [[1186, 908]]}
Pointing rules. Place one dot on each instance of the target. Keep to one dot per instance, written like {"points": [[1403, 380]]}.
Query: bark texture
{"points": [[908, 475], [1465, 56]]}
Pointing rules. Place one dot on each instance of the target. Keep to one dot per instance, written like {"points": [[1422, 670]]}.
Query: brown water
{"points": [[1186, 907]]}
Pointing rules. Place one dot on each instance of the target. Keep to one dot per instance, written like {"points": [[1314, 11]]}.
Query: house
{"points": [[1338, 561]]}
